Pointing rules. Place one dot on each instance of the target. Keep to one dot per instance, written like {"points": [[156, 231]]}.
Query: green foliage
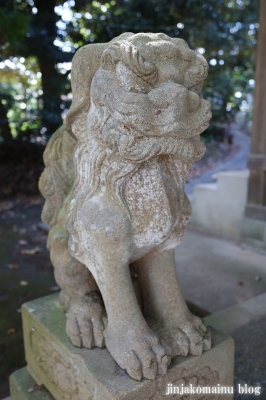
{"points": [[35, 45], [224, 31], [50, 31], [13, 28]]}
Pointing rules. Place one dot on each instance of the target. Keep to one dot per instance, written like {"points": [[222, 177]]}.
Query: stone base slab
{"points": [[70, 373], [253, 233], [23, 387]]}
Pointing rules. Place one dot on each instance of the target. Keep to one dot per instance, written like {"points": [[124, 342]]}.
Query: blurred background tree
{"points": [[38, 39]]}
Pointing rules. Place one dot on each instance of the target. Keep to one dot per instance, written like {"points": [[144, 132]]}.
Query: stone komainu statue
{"points": [[114, 188]]}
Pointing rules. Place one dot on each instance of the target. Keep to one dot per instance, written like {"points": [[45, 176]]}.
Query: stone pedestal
{"points": [[70, 373], [228, 196], [253, 233], [23, 387]]}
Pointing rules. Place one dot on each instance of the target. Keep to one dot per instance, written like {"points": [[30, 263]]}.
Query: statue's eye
{"points": [[197, 73]]}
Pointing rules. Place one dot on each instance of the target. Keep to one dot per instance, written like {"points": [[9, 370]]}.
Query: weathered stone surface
{"points": [[115, 201], [81, 374], [23, 387]]}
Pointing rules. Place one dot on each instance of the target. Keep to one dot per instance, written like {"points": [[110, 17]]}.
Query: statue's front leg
{"points": [[165, 307], [106, 248], [133, 345], [80, 296]]}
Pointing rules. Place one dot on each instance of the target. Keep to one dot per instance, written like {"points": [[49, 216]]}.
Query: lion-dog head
{"points": [[134, 98], [141, 99]]}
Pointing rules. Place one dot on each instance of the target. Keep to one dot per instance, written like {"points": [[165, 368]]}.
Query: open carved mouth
{"points": [[196, 89]]}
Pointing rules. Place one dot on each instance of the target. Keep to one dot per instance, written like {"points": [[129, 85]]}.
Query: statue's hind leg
{"points": [[80, 296], [165, 307]]}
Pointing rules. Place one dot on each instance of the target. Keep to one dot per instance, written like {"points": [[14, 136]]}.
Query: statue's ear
{"points": [[85, 63], [110, 58], [84, 66]]}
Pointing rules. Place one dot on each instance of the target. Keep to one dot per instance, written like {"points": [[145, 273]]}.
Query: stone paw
{"points": [[139, 352], [190, 336], [86, 322]]}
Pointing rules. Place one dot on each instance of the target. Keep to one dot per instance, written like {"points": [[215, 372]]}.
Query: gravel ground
{"points": [[25, 274], [250, 355]]}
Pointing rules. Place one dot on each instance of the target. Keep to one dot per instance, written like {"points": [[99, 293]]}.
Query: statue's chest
{"points": [[152, 195]]}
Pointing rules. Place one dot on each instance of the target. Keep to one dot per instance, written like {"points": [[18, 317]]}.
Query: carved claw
{"points": [[141, 356], [189, 337]]}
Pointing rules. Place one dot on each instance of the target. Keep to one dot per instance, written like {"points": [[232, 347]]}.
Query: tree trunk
{"points": [[42, 46], [5, 131], [52, 87], [256, 207]]}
